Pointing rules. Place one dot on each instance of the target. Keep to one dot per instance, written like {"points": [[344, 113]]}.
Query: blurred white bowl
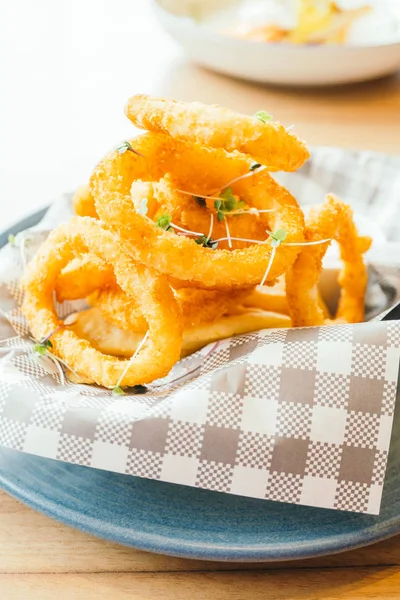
{"points": [[372, 52]]}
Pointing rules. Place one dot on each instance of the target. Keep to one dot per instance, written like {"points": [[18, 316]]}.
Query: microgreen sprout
{"points": [[41, 347], [200, 201], [278, 237], [253, 169], [11, 239], [125, 146], [269, 266], [207, 242], [228, 233], [263, 116], [142, 210], [118, 391], [185, 231], [227, 203], [210, 231], [136, 389], [164, 222]]}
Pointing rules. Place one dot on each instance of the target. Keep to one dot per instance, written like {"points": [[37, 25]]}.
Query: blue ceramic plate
{"points": [[188, 522]]}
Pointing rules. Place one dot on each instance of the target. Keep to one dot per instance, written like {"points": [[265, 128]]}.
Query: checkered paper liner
{"points": [[301, 416]]}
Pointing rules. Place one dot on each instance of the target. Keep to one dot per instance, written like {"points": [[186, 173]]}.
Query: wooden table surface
{"points": [[41, 559], [80, 61]]}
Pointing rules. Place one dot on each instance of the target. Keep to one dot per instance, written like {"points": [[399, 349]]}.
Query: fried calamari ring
{"points": [[83, 202], [83, 276], [181, 257], [157, 304], [334, 220], [186, 213], [268, 143]]}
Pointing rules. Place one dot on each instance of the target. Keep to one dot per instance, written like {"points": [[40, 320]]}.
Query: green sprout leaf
{"points": [[125, 146], [206, 242], [118, 391], [218, 207], [40, 349], [142, 210], [226, 194], [11, 239], [46, 343], [200, 201], [278, 237], [227, 204], [254, 166], [164, 222], [263, 116]]}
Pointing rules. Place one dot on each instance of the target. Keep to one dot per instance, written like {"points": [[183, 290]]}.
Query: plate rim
{"points": [[161, 544]]}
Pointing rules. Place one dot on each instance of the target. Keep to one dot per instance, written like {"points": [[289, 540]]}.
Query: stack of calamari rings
{"points": [[182, 238]]}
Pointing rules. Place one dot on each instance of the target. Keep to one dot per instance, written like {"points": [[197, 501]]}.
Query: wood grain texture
{"points": [[31, 543], [308, 584]]}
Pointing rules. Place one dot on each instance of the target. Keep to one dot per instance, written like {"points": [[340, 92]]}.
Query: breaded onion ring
{"points": [[156, 302], [268, 143], [178, 256], [334, 220]]}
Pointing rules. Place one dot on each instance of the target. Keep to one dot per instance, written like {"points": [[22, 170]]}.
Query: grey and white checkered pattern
{"points": [[214, 476], [225, 410], [184, 439], [332, 389], [300, 355], [254, 450], [323, 460], [362, 430], [262, 382], [294, 420], [114, 427], [301, 416], [336, 334], [379, 470], [75, 449], [144, 464], [393, 334], [284, 487], [352, 496], [369, 361], [49, 416], [12, 433], [389, 392]]}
